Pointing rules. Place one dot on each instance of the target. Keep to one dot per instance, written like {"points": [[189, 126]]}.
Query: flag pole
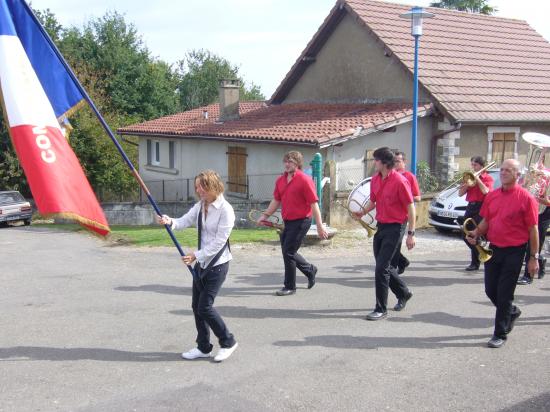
{"points": [[107, 130]]}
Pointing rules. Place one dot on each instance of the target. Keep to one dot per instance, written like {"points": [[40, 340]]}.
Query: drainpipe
{"points": [[438, 136]]}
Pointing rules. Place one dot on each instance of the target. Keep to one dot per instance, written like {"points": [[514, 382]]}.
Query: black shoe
{"points": [[374, 315], [525, 280], [285, 292], [542, 270], [311, 278], [472, 267], [496, 342], [401, 269], [401, 303], [513, 319]]}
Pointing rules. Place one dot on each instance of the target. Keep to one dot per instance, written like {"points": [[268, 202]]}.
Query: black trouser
{"points": [[385, 244], [472, 211], [205, 289], [501, 274], [291, 239], [543, 227]]}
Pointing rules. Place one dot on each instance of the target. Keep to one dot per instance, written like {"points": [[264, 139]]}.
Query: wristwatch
{"points": [[410, 232], [535, 256]]}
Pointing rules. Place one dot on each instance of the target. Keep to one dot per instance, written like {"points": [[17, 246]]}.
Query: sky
{"points": [[263, 37]]}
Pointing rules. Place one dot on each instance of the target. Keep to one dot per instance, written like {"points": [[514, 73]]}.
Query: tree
{"points": [[471, 6], [201, 71]]}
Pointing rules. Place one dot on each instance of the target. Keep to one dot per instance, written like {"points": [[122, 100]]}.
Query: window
{"points": [[155, 156], [236, 173], [171, 162], [503, 143]]}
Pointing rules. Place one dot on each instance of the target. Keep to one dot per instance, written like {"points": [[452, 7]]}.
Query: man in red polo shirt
{"points": [[295, 193], [474, 196], [390, 194], [400, 261], [509, 220]]}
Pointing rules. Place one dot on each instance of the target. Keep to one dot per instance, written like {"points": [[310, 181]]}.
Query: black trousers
{"points": [[472, 210], [205, 290], [386, 241], [543, 227], [501, 274], [292, 237]]}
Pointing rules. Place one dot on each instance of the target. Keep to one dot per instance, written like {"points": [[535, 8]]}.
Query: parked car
{"points": [[447, 206], [13, 208]]}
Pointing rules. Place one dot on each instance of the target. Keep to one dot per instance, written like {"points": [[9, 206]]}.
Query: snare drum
{"points": [[358, 199]]}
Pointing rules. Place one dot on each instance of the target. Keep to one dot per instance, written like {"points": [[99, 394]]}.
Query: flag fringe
{"points": [[91, 224], [72, 110]]}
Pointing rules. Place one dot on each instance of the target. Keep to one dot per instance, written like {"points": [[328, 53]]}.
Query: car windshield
{"points": [[11, 197]]}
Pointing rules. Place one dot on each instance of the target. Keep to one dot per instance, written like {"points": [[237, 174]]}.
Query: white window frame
{"points": [[491, 130], [155, 152]]}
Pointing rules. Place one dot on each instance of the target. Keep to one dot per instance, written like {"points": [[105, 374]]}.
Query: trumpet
{"points": [[272, 221], [485, 253], [468, 178]]}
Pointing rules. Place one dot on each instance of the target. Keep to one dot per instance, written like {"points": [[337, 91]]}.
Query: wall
{"points": [[263, 165], [143, 214], [352, 67], [474, 141]]}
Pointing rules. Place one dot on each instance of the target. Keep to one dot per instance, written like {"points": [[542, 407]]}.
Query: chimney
{"points": [[229, 100]]}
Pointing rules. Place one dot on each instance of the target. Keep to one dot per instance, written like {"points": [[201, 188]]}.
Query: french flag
{"points": [[38, 93]]}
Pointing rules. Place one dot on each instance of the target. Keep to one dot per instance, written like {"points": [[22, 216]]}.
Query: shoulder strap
{"points": [[199, 229]]}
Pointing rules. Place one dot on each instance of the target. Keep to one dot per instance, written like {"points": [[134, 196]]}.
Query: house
{"points": [[483, 81]]}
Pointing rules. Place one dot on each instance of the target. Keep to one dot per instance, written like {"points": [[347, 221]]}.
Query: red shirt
{"points": [[510, 213], [295, 196], [473, 194], [411, 178], [392, 196]]}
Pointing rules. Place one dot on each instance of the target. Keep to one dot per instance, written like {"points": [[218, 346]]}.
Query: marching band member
{"points": [[474, 196], [544, 223], [295, 193], [400, 261], [391, 196], [214, 218], [509, 220]]}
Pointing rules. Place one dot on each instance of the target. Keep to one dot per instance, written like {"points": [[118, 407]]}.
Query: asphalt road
{"points": [[87, 326]]}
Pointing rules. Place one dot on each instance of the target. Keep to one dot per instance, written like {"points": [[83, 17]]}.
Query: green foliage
{"points": [[128, 86], [471, 6], [200, 73], [426, 180]]}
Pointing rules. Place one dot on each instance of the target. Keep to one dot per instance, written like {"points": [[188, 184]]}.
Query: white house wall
{"points": [[263, 165], [349, 157]]}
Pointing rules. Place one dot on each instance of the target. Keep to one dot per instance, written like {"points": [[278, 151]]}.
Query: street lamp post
{"points": [[415, 15]]}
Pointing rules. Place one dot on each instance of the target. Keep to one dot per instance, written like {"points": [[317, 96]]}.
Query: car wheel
{"points": [[27, 222], [443, 229]]}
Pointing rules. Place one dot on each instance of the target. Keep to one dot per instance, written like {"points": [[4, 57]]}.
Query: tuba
{"points": [[357, 200], [536, 177], [482, 246]]}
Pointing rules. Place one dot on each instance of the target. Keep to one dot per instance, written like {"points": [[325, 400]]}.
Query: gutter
{"points": [[222, 138]]}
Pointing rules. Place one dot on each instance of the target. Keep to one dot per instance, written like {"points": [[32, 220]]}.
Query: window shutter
{"points": [[149, 156]]}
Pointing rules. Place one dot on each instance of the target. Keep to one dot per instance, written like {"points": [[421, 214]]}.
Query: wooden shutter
{"points": [[503, 146], [149, 155], [236, 173], [171, 155]]}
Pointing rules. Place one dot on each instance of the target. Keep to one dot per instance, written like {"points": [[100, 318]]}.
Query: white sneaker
{"points": [[195, 353], [225, 353]]}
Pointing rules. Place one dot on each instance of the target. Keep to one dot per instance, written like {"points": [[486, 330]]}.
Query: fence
{"points": [[250, 187]]}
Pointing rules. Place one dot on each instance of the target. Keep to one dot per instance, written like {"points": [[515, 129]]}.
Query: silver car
{"points": [[447, 206], [13, 208]]}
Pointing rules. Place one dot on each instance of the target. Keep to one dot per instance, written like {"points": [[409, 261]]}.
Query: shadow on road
{"points": [[535, 404], [375, 342], [23, 353]]}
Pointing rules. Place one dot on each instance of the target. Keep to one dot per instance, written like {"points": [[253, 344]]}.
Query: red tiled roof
{"points": [[300, 123], [476, 67]]}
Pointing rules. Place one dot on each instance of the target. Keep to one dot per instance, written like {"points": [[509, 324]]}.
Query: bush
{"points": [[426, 180]]}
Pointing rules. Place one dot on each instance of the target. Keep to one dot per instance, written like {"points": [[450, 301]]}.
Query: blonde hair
{"points": [[210, 181], [295, 157]]}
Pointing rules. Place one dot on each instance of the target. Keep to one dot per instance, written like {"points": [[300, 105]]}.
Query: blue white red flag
{"points": [[37, 93]]}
